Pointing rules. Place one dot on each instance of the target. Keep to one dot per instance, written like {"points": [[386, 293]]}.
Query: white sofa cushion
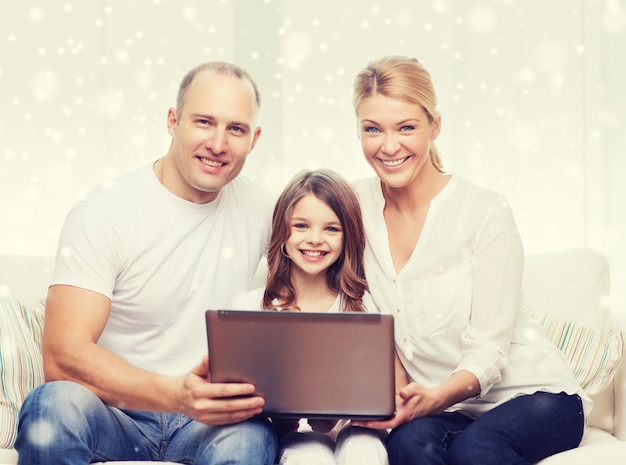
{"points": [[26, 277], [602, 453], [8, 456], [573, 285]]}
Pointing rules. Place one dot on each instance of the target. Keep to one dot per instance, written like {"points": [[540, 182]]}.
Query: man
{"points": [[139, 262]]}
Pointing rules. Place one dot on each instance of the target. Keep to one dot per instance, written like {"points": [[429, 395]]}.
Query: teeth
{"points": [[394, 162], [211, 162], [313, 253]]}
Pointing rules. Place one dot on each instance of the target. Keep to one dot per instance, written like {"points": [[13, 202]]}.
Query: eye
{"points": [[238, 130], [371, 129], [333, 229], [203, 122], [407, 128], [299, 226]]}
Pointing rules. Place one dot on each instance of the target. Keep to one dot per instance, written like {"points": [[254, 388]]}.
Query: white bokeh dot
{"points": [[41, 433], [35, 15], [45, 85], [481, 19]]}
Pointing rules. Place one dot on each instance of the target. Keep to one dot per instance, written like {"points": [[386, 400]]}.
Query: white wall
{"points": [[530, 92]]}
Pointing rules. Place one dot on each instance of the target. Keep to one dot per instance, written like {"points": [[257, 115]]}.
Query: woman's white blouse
{"points": [[457, 301]]}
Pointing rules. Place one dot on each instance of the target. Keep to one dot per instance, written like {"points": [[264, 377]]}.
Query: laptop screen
{"points": [[314, 365]]}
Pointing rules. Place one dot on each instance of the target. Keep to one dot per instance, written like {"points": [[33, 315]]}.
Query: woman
{"points": [[444, 256]]}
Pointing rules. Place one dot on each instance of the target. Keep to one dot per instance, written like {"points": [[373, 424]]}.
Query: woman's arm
{"points": [[497, 270]]}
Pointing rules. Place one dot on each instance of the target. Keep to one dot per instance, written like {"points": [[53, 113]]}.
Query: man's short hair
{"points": [[216, 67]]}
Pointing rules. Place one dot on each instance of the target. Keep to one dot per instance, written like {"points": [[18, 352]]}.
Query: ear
{"points": [[172, 121], [435, 128], [255, 137]]}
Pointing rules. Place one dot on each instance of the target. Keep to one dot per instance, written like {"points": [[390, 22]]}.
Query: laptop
{"points": [[307, 365]]}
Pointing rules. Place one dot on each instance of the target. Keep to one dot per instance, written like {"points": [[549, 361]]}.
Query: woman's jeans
{"points": [[64, 423], [521, 431]]}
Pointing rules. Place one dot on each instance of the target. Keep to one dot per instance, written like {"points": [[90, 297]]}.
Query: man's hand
{"points": [[216, 403]]}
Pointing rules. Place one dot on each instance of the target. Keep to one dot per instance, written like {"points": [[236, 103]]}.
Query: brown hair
{"points": [[347, 275], [402, 78]]}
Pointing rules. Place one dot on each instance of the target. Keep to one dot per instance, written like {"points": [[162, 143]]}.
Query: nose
{"points": [[314, 237], [390, 144], [217, 141]]}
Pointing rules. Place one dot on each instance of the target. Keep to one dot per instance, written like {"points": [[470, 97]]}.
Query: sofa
{"points": [[566, 291]]}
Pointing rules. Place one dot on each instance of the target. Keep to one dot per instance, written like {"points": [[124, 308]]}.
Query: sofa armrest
{"points": [[619, 385]]}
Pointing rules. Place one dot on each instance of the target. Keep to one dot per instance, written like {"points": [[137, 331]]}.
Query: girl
{"points": [[487, 387], [315, 265]]}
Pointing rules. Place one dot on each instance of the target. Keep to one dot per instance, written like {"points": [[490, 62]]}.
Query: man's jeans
{"points": [[521, 431], [64, 423]]}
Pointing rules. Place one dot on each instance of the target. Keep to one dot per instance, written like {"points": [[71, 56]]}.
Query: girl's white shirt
{"points": [[253, 299]]}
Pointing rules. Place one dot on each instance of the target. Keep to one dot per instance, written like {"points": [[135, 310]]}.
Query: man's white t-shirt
{"points": [[162, 261]]}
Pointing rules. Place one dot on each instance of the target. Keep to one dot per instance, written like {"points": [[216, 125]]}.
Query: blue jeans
{"points": [[64, 423], [521, 431]]}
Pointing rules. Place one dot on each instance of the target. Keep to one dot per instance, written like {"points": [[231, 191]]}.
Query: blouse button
{"points": [[408, 350]]}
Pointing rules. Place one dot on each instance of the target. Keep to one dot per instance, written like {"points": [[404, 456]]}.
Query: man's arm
{"points": [[75, 319]]}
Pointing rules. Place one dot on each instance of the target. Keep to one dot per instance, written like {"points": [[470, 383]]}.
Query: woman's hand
{"points": [[413, 401]]}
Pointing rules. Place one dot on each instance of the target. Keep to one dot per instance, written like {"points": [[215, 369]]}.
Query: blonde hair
{"points": [[402, 78]]}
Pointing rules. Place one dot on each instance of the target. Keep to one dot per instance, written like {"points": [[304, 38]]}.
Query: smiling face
{"points": [[395, 137], [316, 236], [212, 135]]}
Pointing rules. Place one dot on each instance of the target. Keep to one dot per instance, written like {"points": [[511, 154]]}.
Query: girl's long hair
{"points": [[347, 275]]}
